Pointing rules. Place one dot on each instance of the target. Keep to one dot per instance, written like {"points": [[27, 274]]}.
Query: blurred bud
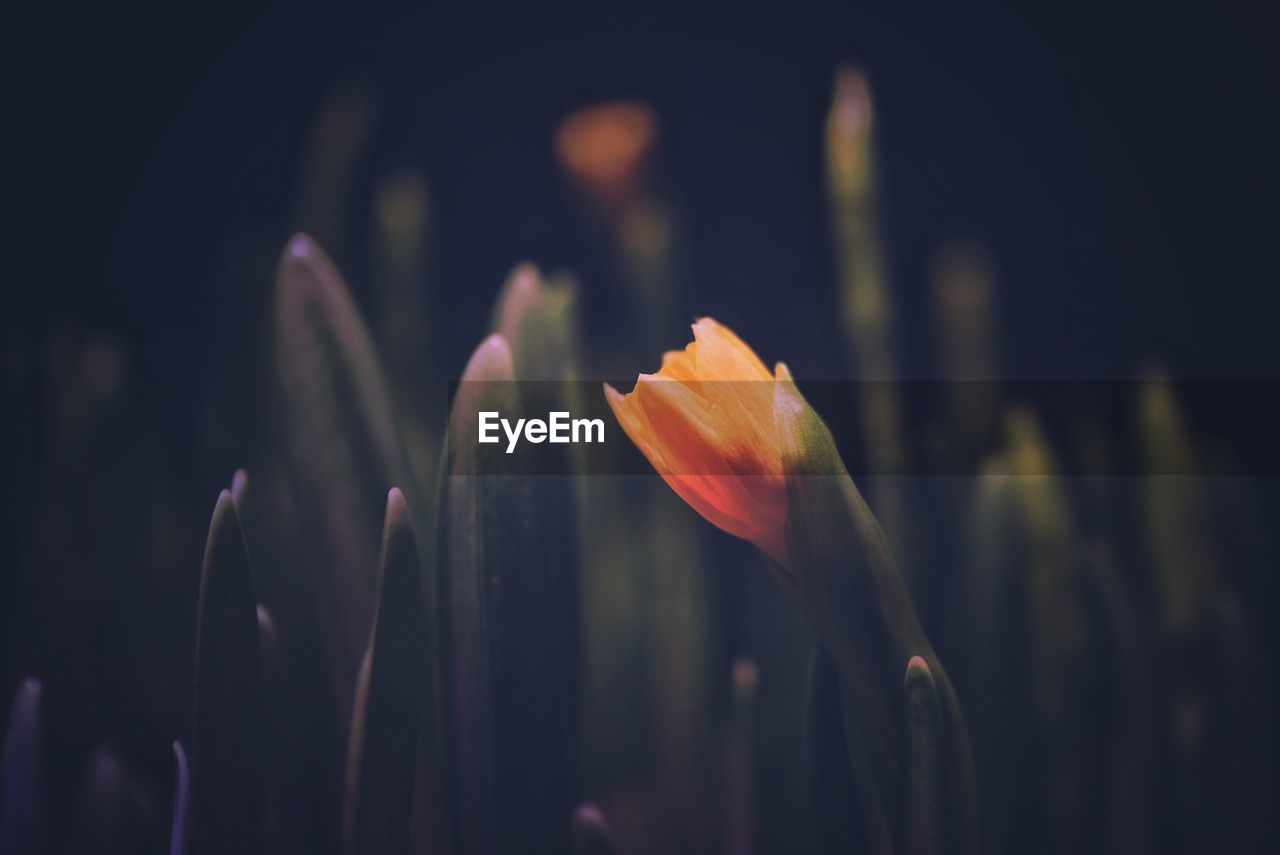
{"points": [[604, 150], [849, 134]]}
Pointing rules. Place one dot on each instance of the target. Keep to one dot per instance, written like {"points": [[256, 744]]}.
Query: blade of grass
{"points": [[344, 448], [228, 787], [181, 793], [388, 707], [21, 775]]}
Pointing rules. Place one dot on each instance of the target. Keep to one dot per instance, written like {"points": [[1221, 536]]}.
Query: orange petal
{"points": [[635, 424], [679, 365], [721, 355]]}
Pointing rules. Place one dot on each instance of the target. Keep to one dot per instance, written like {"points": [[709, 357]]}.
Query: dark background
{"points": [[1119, 164], [1118, 161]]}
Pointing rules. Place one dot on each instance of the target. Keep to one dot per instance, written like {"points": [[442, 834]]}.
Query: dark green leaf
{"points": [[508, 612], [389, 700], [228, 787], [922, 831], [181, 793], [344, 448], [851, 590], [839, 821]]}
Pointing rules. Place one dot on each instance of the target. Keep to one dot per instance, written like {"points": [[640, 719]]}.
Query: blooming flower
{"points": [[706, 423]]}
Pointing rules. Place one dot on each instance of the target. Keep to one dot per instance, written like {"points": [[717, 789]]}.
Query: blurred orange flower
{"points": [[604, 148], [706, 423]]}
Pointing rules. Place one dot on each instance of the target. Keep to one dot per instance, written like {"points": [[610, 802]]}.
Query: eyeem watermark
{"points": [[557, 428]]}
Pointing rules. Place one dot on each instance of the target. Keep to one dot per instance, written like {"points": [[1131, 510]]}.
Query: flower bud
{"points": [[705, 421]]}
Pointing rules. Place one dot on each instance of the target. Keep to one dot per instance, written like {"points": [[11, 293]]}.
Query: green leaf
{"points": [[538, 318], [466, 548], [280, 733], [344, 449], [840, 819], [228, 787], [507, 608], [1176, 509], [389, 700], [850, 589], [922, 831], [739, 772], [181, 795]]}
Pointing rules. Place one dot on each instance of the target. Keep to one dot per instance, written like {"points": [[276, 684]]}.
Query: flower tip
{"points": [[917, 663], [617, 402], [704, 326]]}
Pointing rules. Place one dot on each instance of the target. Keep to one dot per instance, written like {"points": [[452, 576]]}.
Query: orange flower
{"points": [[604, 149], [706, 423]]}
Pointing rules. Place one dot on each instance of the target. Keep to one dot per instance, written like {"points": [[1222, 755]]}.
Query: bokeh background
{"points": [[1116, 165]]}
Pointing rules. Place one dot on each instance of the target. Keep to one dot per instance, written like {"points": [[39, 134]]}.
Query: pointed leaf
{"points": [[591, 832], [922, 832], [228, 788], [1176, 509], [344, 448], [839, 818], [507, 614], [21, 775], [181, 793], [536, 317], [739, 774], [240, 489], [115, 811], [388, 708], [859, 605]]}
